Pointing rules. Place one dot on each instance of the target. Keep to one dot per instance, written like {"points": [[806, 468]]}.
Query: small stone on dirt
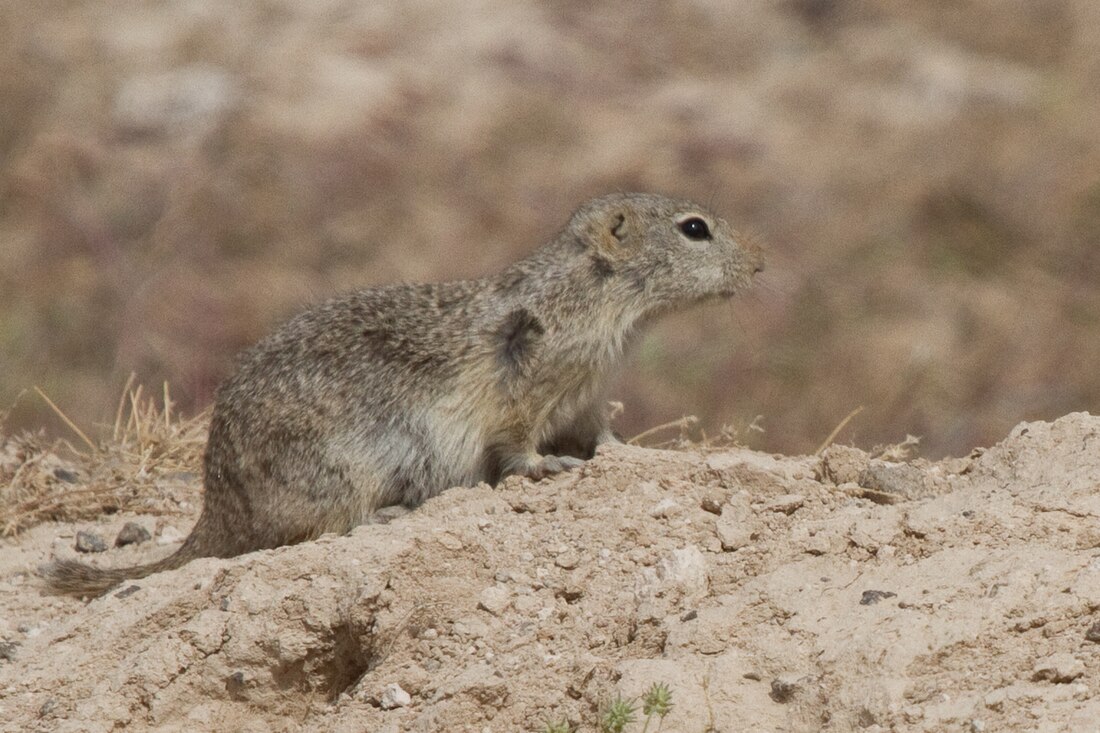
{"points": [[568, 560], [1093, 633], [570, 592], [842, 464], [889, 483], [64, 474], [7, 650], [132, 533], [710, 504], [47, 707], [234, 684], [871, 597], [89, 542], [665, 508], [686, 570], [787, 504], [394, 697], [783, 689], [494, 599], [732, 532], [169, 535], [1058, 668]]}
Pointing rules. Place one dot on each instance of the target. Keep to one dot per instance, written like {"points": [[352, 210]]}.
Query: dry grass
{"points": [[149, 463], [688, 433]]}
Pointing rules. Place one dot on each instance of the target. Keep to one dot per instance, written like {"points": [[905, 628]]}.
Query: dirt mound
{"points": [[768, 592]]}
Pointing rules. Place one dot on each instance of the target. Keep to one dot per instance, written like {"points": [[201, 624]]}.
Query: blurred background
{"points": [[177, 177]]}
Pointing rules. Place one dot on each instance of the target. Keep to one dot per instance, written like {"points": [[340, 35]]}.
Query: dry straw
{"points": [[149, 463]]}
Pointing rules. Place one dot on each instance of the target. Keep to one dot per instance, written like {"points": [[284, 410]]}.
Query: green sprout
{"points": [[562, 726], [620, 713], [657, 701]]}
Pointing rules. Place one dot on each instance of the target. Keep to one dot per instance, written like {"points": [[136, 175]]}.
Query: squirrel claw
{"points": [[545, 466]]}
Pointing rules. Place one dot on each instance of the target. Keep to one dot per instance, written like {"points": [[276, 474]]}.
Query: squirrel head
{"points": [[670, 252]]}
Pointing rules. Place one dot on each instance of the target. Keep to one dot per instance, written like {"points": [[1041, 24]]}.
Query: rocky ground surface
{"points": [[770, 593]]}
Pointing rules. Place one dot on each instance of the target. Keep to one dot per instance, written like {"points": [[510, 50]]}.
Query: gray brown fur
{"points": [[390, 395]]}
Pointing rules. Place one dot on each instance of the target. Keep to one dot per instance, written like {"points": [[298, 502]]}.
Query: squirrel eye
{"points": [[695, 228]]}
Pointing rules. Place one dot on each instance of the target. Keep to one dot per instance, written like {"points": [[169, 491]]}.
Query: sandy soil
{"points": [[770, 593]]}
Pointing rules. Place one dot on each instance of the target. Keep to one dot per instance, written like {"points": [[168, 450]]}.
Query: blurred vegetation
{"points": [[177, 177]]}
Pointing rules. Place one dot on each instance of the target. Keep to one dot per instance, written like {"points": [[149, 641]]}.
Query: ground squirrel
{"points": [[390, 395]]}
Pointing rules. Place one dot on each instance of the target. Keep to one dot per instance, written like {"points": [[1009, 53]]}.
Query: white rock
{"points": [[495, 599], [664, 508], [169, 536], [736, 523], [394, 697], [733, 532], [685, 569], [1058, 668]]}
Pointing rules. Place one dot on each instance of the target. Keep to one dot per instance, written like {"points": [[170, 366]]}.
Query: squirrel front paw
{"points": [[538, 467]]}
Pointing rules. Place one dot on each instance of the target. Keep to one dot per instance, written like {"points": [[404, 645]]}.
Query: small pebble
{"points": [[787, 504], [1058, 668], [871, 597], [568, 560], [733, 532], [89, 542], [495, 599], [889, 483], [783, 689], [665, 508], [234, 683], [169, 535], [64, 474], [7, 650], [570, 592], [394, 697], [709, 504], [132, 533], [1093, 633]]}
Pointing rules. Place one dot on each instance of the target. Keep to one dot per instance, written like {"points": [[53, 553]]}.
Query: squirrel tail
{"points": [[74, 578]]}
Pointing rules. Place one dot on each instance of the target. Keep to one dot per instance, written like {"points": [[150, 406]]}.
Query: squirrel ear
{"points": [[608, 234], [618, 229]]}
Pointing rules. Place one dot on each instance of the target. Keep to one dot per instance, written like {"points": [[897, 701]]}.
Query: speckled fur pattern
{"points": [[392, 394]]}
